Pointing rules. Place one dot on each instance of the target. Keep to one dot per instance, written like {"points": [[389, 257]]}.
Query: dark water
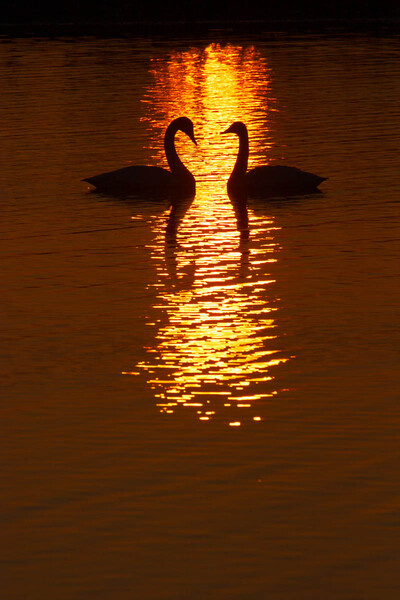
{"points": [[194, 407]]}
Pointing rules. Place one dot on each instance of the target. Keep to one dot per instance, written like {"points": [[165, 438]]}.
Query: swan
{"points": [[149, 180], [266, 180]]}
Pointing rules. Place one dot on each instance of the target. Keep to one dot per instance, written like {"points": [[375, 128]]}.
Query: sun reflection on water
{"points": [[215, 342], [214, 87]]}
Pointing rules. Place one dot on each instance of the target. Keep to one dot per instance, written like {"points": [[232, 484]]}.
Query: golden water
{"points": [[203, 402]]}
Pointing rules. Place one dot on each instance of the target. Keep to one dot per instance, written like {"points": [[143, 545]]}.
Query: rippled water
{"points": [[200, 402]]}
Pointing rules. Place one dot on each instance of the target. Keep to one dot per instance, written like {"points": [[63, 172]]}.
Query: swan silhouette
{"points": [[153, 180], [266, 180]]}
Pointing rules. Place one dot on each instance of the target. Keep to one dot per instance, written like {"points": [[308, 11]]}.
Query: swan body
{"points": [[150, 180], [266, 180]]}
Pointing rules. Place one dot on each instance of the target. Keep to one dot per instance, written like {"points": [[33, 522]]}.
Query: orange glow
{"points": [[214, 87], [215, 341]]}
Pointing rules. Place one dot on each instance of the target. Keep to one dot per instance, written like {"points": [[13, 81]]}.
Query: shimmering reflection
{"points": [[216, 346], [213, 86], [216, 342]]}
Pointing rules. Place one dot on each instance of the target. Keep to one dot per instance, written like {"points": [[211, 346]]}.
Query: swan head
{"points": [[184, 124], [237, 127]]}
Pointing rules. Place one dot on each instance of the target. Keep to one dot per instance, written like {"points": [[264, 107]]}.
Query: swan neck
{"points": [[174, 162], [240, 168]]}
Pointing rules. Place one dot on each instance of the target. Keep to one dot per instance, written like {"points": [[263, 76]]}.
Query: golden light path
{"points": [[215, 344], [214, 87]]}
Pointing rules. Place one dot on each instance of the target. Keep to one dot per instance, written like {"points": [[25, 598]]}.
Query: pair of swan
{"points": [[261, 180]]}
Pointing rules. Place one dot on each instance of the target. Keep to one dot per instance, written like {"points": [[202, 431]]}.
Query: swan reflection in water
{"points": [[147, 180], [215, 343], [178, 210], [268, 180]]}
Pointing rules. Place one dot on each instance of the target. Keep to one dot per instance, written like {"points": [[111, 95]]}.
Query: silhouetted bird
{"points": [[266, 180], [153, 180]]}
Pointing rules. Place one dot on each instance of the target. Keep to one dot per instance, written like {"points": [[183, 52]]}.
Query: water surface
{"points": [[203, 402]]}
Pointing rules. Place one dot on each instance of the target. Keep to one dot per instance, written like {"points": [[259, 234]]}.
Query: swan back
{"points": [[281, 178]]}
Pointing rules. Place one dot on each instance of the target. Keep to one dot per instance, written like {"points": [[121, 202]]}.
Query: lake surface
{"points": [[201, 403]]}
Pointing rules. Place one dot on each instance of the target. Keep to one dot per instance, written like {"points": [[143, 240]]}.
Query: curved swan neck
{"points": [[175, 163], [240, 168]]}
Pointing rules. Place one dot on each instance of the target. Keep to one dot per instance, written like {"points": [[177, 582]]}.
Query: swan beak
{"points": [[193, 139]]}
